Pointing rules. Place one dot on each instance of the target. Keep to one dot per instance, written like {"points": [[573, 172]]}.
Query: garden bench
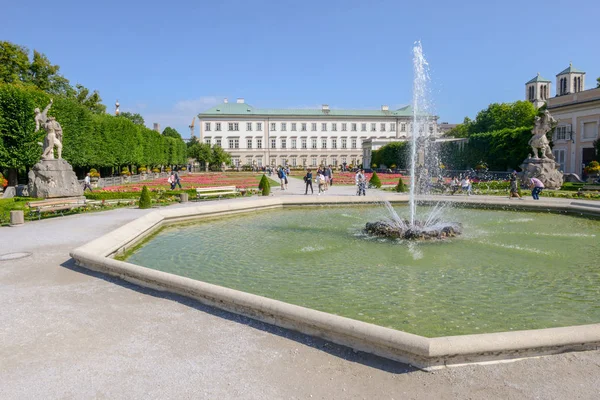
{"points": [[59, 204], [590, 187], [216, 191]]}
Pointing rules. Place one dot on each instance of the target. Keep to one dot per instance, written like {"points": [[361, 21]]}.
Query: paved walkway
{"points": [[71, 334]]}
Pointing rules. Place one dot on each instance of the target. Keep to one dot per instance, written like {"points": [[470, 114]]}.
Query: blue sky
{"points": [[172, 61]]}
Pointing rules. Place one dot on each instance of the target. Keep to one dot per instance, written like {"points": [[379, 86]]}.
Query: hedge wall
{"points": [[89, 140]]}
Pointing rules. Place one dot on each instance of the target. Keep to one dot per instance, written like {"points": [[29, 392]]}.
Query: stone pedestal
{"points": [[53, 178], [17, 218], [183, 198], [545, 169]]}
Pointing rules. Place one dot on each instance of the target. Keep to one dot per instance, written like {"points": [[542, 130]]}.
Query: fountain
{"points": [[423, 161]]}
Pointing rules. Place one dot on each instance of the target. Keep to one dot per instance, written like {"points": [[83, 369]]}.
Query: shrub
{"points": [[145, 201], [401, 187], [156, 170], [94, 173], [125, 172], [592, 168], [375, 182], [142, 170], [264, 185]]}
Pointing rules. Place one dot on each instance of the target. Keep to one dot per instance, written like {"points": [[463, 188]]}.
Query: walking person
{"points": [[465, 185], [361, 182], [87, 183], [327, 174], [330, 176], [538, 186], [320, 182], [171, 180], [177, 180], [308, 180], [514, 189]]}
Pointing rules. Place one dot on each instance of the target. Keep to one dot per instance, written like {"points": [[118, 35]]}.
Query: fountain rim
{"points": [[419, 351]]}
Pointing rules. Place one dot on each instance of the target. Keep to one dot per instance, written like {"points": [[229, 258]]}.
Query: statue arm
{"points": [[47, 108]]}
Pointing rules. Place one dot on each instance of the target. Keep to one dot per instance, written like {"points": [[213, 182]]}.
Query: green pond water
{"points": [[508, 271]]}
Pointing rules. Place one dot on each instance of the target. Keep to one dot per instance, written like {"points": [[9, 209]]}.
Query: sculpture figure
{"points": [[53, 132], [539, 140]]}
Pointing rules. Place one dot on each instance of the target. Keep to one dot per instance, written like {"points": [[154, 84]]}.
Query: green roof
{"points": [[570, 70], [239, 109], [538, 78]]}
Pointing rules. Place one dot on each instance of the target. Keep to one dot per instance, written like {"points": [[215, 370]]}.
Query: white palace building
{"points": [[301, 137]]}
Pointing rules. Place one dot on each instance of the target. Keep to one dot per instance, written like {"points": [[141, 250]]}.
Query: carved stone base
{"points": [[53, 178], [545, 169]]}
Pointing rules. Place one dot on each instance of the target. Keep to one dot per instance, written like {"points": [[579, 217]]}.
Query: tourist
{"points": [[330, 176], [177, 180], [514, 189], [465, 185], [282, 178], [361, 182], [320, 182], [86, 182], [308, 180], [327, 174], [537, 186], [454, 185], [171, 180]]}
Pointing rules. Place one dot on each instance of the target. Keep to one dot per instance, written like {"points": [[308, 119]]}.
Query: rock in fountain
{"points": [[418, 231]]}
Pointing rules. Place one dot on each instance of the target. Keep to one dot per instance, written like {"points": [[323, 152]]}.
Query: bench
{"points": [[216, 191], [66, 203], [584, 188]]}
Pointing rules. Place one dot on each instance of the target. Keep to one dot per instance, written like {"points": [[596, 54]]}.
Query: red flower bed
{"points": [[192, 182], [349, 178]]}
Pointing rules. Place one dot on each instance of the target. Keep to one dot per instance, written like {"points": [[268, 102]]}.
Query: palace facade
{"points": [[300, 137]]}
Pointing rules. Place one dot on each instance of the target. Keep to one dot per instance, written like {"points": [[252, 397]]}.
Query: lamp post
{"points": [[117, 108]]}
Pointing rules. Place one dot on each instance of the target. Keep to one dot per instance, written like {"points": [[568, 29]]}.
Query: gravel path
{"points": [[71, 334]]}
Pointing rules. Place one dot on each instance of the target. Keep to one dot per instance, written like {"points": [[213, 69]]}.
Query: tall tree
{"points": [[170, 132], [135, 118], [14, 63], [45, 76], [90, 101]]}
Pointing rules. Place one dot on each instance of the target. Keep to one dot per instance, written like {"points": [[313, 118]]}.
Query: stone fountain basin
{"points": [[422, 352]]}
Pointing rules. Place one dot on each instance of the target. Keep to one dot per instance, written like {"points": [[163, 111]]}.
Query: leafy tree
{"points": [[135, 118], [497, 117], [395, 153], [374, 181], [170, 132], [14, 63], [145, 200], [201, 152], [45, 76], [220, 156], [92, 102], [264, 185]]}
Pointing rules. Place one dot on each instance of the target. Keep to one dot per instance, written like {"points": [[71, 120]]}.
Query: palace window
{"points": [[259, 126], [303, 127], [314, 143], [273, 143], [373, 127], [344, 126], [217, 126], [207, 126], [393, 127], [334, 162], [382, 127], [218, 142], [561, 133], [283, 126], [314, 162], [283, 143], [233, 126], [231, 143], [344, 143], [324, 126], [259, 162], [334, 143], [248, 126], [403, 127], [259, 143], [353, 127], [313, 126], [207, 140], [293, 126], [303, 143], [353, 143], [294, 162], [293, 143], [323, 143], [363, 127], [334, 127], [249, 143], [273, 126]]}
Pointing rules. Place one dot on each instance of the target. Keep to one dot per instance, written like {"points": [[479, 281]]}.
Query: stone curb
{"points": [[422, 352]]}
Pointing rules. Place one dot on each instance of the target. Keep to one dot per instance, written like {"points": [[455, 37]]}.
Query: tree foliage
{"points": [[393, 153], [135, 118], [145, 200], [264, 185], [89, 139], [401, 187], [170, 132], [374, 181]]}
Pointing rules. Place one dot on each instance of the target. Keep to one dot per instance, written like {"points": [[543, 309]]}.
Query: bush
{"points": [[94, 173], [375, 182], [156, 170], [145, 201], [264, 185], [125, 172], [401, 187], [142, 170], [592, 168]]}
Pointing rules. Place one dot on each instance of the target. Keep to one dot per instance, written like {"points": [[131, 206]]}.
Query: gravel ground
{"points": [[71, 334]]}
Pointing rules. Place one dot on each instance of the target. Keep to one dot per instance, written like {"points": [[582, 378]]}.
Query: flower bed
{"points": [[349, 178], [241, 181]]}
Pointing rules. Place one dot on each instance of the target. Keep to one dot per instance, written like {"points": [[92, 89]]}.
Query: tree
{"points": [[135, 118], [374, 181], [14, 63], [220, 156], [170, 132], [264, 185], [45, 76], [401, 187], [145, 201], [90, 101]]}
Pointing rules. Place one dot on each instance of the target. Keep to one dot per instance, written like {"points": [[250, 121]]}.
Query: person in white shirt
{"points": [[86, 182], [361, 182]]}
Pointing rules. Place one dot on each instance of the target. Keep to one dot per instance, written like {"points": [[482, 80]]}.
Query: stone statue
{"points": [[543, 124], [53, 133]]}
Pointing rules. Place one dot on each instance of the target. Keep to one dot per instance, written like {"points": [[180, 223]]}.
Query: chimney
{"points": [[325, 108], [157, 127], [240, 100], [385, 108], [225, 100]]}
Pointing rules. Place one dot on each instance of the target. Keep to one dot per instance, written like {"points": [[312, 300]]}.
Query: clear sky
{"points": [[170, 61]]}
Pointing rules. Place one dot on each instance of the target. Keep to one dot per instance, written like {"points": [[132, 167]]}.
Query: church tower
{"points": [[570, 80], [537, 91]]}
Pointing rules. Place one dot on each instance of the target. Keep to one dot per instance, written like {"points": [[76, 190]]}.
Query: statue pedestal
{"points": [[53, 178], [545, 169]]}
